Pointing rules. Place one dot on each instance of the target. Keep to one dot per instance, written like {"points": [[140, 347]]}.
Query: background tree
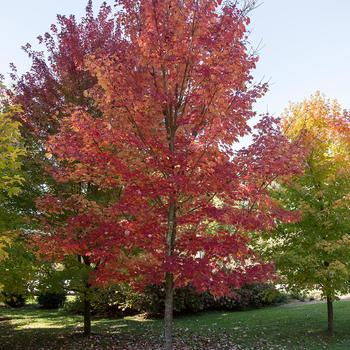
{"points": [[174, 98], [11, 152], [17, 272], [314, 253], [57, 82]]}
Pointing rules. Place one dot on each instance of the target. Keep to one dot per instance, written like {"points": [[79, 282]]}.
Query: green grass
{"points": [[284, 327]]}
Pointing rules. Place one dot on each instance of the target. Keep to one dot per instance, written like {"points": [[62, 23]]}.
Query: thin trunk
{"points": [[87, 303], [330, 316], [168, 313], [170, 124], [87, 315], [169, 279]]}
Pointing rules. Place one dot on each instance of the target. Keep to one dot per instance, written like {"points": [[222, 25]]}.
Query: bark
{"points": [[168, 313], [170, 124], [330, 316], [87, 303], [87, 315], [169, 279]]}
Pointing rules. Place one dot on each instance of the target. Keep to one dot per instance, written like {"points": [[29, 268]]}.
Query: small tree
{"points": [[56, 82], [75, 229], [314, 252]]}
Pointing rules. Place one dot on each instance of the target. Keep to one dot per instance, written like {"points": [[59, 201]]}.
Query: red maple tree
{"points": [[174, 98], [56, 84]]}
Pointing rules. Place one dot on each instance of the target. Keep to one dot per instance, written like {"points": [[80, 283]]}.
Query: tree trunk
{"points": [[330, 316], [87, 303], [87, 315], [170, 123], [169, 279], [168, 313]]}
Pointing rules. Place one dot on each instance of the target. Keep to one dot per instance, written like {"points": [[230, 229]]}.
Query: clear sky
{"points": [[304, 43]]}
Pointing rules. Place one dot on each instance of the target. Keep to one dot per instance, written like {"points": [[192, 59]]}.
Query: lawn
{"points": [[285, 327]]}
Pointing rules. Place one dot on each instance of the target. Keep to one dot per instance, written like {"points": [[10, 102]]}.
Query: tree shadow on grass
{"points": [[72, 338], [33, 328], [124, 334]]}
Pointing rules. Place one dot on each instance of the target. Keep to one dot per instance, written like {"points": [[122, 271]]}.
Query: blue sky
{"points": [[304, 44]]}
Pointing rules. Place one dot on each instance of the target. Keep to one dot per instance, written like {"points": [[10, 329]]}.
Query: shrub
{"points": [[74, 306], [117, 301], [51, 300], [258, 295], [187, 300], [14, 300], [109, 302], [114, 301], [298, 295]]}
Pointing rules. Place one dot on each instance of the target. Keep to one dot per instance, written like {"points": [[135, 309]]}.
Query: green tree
{"points": [[11, 152], [17, 269], [314, 252]]}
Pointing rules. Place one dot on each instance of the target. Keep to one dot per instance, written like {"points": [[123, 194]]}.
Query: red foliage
{"points": [[57, 78], [342, 125], [56, 84], [174, 95]]}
